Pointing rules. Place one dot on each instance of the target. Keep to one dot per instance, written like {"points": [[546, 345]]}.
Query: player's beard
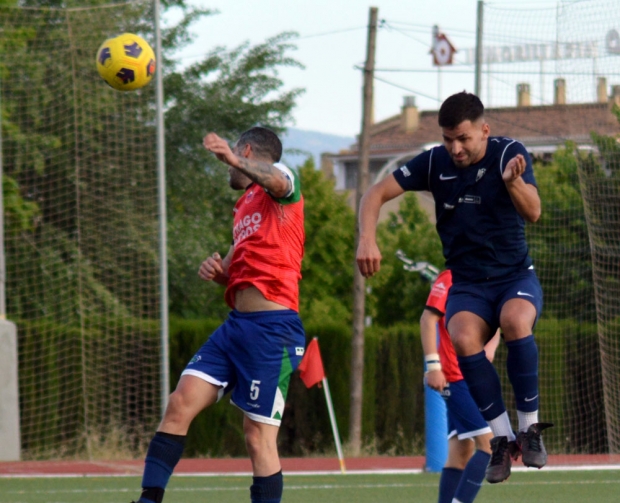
{"points": [[237, 180], [467, 158]]}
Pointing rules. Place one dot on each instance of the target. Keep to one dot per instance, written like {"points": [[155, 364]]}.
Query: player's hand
{"points": [[211, 267], [514, 169], [219, 146], [436, 380], [368, 258]]}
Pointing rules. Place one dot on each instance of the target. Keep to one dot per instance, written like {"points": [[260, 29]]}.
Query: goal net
{"points": [[551, 75], [81, 232]]}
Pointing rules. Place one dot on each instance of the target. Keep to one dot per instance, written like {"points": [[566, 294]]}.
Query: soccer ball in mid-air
{"points": [[126, 62]]}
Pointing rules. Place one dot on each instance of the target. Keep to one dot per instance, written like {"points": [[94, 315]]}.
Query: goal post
{"points": [[556, 68], [82, 233]]}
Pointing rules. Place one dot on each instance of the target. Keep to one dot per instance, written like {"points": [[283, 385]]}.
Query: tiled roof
{"points": [[532, 125]]}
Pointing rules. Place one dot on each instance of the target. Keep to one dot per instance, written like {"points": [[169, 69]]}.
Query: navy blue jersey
{"points": [[482, 234]]}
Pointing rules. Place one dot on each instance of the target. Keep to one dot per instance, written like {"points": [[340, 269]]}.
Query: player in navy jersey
{"points": [[484, 191]]}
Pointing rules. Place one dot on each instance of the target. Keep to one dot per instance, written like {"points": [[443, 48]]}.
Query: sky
{"points": [[332, 46]]}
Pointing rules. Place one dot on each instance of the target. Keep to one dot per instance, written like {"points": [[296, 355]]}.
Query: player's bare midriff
{"points": [[250, 299]]}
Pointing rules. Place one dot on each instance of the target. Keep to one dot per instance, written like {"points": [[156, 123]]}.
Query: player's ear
{"points": [[486, 130], [246, 151]]}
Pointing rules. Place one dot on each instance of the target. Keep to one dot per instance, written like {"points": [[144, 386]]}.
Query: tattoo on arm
{"points": [[265, 175]]}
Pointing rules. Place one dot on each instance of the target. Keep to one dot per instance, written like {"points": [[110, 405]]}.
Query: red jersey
{"points": [[268, 237], [437, 302]]}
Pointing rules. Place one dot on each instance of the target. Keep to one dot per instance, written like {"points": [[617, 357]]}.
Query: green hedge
{"points": [[127, 353], [77, 382]]}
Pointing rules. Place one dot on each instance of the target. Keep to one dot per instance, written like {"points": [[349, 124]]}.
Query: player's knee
{"points": [[253, 440], [260, 441], [466, 344], [178, 407], [515, 327]]}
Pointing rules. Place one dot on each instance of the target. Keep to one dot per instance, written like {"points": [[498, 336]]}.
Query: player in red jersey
{"points": [[464, 470], [255, 351]]}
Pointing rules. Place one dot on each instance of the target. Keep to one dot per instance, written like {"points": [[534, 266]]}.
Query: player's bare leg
{"points": [[261, 442], [190, 397]]}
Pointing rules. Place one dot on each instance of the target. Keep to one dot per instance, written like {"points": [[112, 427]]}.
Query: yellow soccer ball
{"points": [[126, 62]]}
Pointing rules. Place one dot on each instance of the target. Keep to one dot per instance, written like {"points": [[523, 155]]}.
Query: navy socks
{"points": [[472, 477], [522, 366], [267, 489], [163, 454], [484, 385], [449, 481], [463, 485]]}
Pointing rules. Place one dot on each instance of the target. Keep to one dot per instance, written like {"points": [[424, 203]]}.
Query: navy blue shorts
{"points": [[254, 355], [464, 418], [486, 298]]}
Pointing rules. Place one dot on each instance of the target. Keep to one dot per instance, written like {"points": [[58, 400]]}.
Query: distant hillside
{"points": [[300, 144]]}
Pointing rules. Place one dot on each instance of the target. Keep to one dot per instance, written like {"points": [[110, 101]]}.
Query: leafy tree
{"points": [[559, 243], [327, 269], [227, 93], [396, 295]]}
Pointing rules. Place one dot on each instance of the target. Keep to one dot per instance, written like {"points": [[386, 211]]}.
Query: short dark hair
{"points": [[458, 108], [265, 143]]}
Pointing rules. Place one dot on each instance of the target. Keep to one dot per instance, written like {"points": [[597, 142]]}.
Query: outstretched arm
{"points": [[368, 254], [263, 173], [524, 195]]}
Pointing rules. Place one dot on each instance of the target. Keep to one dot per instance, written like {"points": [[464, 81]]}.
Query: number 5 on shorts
{"points": [[254, 390]]}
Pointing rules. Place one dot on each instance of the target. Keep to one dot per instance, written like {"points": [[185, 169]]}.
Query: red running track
{"points": [[242, 465]]}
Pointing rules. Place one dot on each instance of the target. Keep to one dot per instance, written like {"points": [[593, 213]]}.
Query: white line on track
{"points": [[559, 468]]}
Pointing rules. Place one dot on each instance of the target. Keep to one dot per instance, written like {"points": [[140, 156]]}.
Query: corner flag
{"points": [[311, 368], [312, 372]]}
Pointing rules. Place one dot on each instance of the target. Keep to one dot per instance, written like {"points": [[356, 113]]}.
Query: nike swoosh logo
{"points": [[523, 293], [441, 177], [487, 408], [530, 399]]}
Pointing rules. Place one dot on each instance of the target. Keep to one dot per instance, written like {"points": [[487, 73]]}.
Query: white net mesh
{"points": [[80, 183], [546, 58]]}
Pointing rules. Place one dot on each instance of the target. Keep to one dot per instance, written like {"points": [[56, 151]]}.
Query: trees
{"points": [[327, 268], [227, 92], [399, 296]]}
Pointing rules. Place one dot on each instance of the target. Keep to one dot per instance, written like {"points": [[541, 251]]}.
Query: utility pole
{"points": [[478, 79], [359, 283]]}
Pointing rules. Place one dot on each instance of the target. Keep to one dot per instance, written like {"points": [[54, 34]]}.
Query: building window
{"points": [[351, 172]]}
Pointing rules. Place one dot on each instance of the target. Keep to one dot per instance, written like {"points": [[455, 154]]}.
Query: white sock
{"points": [[501, 426], [526, 419]]}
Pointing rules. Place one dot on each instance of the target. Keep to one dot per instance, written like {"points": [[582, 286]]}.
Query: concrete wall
{"points": [[10, 438]]}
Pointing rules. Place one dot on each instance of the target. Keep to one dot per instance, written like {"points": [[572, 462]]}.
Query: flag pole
{"points": [[312, 372], [332, 418]]}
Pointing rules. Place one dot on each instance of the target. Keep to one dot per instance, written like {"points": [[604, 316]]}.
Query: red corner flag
{"points": [[311, 367]]}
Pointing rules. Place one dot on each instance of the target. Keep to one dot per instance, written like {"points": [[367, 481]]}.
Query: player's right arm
{"points": [[214, 268], [434, 376], [368, 254]]}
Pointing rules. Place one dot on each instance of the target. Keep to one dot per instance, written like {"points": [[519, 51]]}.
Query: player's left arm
{"points": [[519, 179], [265, 174], [272, 177]]}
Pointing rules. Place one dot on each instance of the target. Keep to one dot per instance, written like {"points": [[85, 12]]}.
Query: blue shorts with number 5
{"points": [[254, 355]]}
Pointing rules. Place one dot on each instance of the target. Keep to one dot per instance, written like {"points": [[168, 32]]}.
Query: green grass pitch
{"points": [[543, 486]]}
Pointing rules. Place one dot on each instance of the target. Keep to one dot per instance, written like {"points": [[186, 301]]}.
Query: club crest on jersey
{"points": [[481, 173], [249, 196]]}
